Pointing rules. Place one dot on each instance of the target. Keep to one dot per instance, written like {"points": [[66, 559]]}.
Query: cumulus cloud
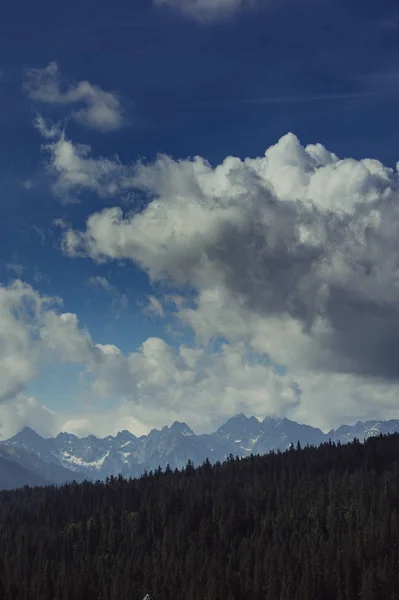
{"points": [[98, 109], [33, 332], [294, 252], [20, 310], [205, 9], [189, 380], [155, 383], [331, 399], [291, 256]]}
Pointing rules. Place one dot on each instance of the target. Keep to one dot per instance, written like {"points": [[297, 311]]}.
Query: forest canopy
{"points": [[309, 523]]}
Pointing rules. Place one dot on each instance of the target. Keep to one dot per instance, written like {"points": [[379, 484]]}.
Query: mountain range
{"points": [[67, 457]]}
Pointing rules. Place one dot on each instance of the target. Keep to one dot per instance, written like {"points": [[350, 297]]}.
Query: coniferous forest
{"points": [[307, 524]]}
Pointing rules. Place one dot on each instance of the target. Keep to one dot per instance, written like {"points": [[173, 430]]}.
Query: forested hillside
{"points": [[306, 524]]}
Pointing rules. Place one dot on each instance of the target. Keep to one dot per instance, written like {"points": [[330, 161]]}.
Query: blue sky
{"points": [[180, 79]]}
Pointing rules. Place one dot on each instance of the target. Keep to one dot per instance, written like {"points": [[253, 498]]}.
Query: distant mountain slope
{"points": [[67, 457], [13, 475], [363, 430], [43, 470]]}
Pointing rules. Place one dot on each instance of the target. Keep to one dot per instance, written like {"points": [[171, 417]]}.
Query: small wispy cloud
{"points": [[46, 128], [40, 232], [16, 268], [119, 301], [99, 109], [39, 277], [206, 10], [61, 223], [103, 283], [75, 170], [154, 307], [28, 184]]}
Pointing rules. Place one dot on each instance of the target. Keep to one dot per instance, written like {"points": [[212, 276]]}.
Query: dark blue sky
{"points": [[326, 70]]}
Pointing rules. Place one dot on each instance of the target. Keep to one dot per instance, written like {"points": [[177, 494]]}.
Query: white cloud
{"points": [[28, 184], [154, 307], [61, 222], [74, 170], [33, 332], [16, 267], [325, 402], [202, 386], [108, 422], [99, 110], [205, 9], [20, 309], [47, 129], [294, 253], [291, 256], [103, 283], [156, 382], [330, 400], [23, 411]]}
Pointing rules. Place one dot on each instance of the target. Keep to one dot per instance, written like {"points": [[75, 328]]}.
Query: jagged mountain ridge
{"points": [[129, 455]]}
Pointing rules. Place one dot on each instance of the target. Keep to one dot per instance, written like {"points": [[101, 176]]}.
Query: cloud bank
{"points": [[97, 109], [294, 253], [290, 258], [156, 383]]}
